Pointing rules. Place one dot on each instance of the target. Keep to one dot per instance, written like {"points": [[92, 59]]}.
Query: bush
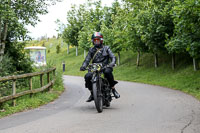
{"points": [[20, 62], [58, 49], [6, 66]]}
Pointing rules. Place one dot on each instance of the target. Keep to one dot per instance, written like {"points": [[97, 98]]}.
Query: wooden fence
{"points": [[31, 90]]}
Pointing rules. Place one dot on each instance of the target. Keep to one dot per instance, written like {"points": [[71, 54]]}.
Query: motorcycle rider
{"points": [[100, 54]]}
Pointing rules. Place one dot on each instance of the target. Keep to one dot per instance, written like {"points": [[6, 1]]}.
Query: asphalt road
{"points": [[141, 109]]}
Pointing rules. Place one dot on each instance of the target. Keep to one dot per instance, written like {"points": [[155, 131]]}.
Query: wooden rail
{"points": [[31, 90]]}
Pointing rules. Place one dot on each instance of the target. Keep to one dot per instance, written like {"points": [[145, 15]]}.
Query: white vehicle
{"points": [[37, 55]]}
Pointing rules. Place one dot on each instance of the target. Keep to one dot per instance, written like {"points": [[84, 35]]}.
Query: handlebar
{"points": [[99, 65]]}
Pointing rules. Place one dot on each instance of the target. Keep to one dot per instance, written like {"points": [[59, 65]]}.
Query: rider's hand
{"points": [[82, 68], [111, 65]]}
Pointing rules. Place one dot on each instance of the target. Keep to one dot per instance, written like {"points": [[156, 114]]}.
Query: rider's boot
{"points": [[91, 98], [115, 93]]}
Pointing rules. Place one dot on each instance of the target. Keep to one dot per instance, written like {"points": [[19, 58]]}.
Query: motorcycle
{"points": [[100, 86]]}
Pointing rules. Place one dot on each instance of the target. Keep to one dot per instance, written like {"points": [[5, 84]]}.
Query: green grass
{"points": [[26, 103], [183, 78]]}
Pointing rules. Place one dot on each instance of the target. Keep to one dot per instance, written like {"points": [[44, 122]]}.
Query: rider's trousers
{"points": [[107, 73]]}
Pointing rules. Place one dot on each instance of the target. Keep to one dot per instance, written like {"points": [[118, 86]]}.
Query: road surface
{"points": [[141, 109]]}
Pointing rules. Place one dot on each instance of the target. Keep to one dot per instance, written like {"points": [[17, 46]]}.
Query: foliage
{"points": [[23, 12], [70, 34], [84, 38], [114, 27], [119, 28], [58, 49], [133, 38], [82, 23], [140, 25], [19, 59], [6, 66], [153, 25], [15, 15], [186, 17], [15, 62]]}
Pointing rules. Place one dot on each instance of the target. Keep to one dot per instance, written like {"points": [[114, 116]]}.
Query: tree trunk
{"points": [[76, 50], [1, 53], [196, 65], [118, 61], [0, 31], [173, 61], [2, 47], [84, 54], [156, 60], [67, 48], [1, 56], [138, 59], [3, 40]]}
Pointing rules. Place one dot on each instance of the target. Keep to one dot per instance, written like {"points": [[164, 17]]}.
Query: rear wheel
{"points": [[98, 99]]}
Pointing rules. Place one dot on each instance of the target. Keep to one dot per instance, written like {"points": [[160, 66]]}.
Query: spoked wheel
{"points": [[98, 98]]}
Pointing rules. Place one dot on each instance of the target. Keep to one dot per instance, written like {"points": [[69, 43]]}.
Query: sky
{"points": [[47, 26]]}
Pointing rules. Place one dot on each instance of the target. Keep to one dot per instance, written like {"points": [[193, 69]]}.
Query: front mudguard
{"points": [[94, 79]]}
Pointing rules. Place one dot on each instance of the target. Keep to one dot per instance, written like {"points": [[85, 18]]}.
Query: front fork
{"points": [[96, 79]]}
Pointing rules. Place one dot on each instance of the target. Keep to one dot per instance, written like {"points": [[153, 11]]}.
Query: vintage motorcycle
{"points": [[100, 86]]}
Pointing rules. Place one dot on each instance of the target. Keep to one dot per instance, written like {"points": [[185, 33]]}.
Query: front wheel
{"points": [[98, 99]]}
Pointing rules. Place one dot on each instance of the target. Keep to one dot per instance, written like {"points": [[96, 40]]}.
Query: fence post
{"points": [[31, 86], [63, 64], [41, 80], [54, 74], [14, 91], [48, 80]]}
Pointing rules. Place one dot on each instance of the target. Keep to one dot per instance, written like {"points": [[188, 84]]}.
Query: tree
{"points": [[84, 38], [119, 31], [133, 36], [70, 34], [153, 26], [113, 28], [60, 28], [186, 38], [82, 22], [15, 15]]}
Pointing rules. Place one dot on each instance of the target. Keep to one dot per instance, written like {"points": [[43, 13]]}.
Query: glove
{"points": [[82, 68], [111, 65]]}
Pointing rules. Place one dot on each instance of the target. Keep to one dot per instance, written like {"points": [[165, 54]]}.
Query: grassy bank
{"points": [[183, 78]]}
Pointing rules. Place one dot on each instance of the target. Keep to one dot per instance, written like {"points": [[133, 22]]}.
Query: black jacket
{"points": [[102, 56]]}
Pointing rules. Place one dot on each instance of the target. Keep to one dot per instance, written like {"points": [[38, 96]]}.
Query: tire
{"points": [[98, 99]]}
